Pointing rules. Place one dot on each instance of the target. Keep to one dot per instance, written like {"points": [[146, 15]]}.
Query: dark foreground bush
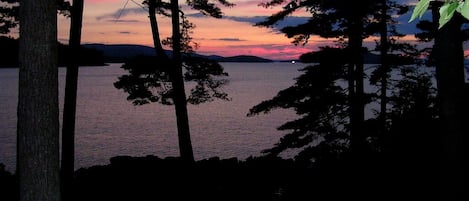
{"points": [[152, 178], [259, 179]]}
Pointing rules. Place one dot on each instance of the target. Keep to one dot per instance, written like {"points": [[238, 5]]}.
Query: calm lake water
{"points": [[108, 125]]}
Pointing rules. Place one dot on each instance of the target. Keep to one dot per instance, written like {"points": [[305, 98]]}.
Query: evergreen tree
{"points": [[322, 104], [410, 147], [335, 19], [161, 79], [389, 38]]}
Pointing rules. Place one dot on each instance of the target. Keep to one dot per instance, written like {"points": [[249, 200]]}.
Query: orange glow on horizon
{"points": [[104, 23]]}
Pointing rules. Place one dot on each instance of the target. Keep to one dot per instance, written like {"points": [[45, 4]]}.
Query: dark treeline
{"points": [[415, 143], [263, 178], [87, 56], [411, 148]]}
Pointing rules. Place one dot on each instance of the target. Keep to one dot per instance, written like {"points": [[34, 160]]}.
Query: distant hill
{"points": [[243, 58], [9, 54], [122, 53]]}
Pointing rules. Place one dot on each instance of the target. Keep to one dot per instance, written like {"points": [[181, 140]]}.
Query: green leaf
{"points": [[447, 12], [420, 9], [464, 9]]}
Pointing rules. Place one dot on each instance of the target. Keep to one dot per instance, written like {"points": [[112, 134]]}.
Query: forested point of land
{"points": [[256, 178], [9, 54]]}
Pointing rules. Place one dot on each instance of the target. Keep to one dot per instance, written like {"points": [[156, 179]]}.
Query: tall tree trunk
{"points": [[384, 66], [179, 96], [38, 108], [177, 80], [70, 102], [155, 32], [356, 74], [357, 139], [449, 55]]}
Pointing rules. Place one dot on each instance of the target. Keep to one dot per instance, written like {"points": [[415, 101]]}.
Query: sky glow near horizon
{"points": [[234, 34]]}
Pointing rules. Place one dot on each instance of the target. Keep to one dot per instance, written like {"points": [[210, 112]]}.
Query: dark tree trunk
{"points": [[449, 55], [38, 108], [179, 96], [357, 161], [177, 80], [70, 102], [356, 85], [384, 66], [155, 32]]}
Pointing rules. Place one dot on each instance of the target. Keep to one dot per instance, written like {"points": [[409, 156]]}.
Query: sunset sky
{"points": [[105, 22]]}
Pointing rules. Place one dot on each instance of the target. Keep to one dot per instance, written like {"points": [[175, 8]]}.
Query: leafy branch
{"points": [[446, 11]]}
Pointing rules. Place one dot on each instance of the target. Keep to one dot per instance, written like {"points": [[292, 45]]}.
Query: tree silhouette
{"points": [[412, 116], [38, 107], [447, 55], [321, 105], [386, 28], [161, 79], [410, 147], [394, 53], [449, 60], [335, 19], [70, 98], [9, 13]]}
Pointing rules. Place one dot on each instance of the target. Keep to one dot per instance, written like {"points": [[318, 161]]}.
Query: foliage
{"points": [[321, 132], [329, 19], [148, 80], [428, 32], [8, 16], [414, 93], [64, 8], [203, 72], [187, 44], [207, 8], [203, 6], [326, 111], [9, 13], [321, 104], [319, 97], [447, 10]]}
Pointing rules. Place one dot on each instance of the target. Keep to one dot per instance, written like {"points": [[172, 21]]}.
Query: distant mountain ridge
{"points": [[121, 53], [87, 57], [243, 58]]}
